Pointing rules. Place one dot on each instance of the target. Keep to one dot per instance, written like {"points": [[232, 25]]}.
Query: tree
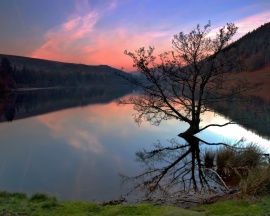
{"points": [[6, 79], [184, 83], [5, 65]]}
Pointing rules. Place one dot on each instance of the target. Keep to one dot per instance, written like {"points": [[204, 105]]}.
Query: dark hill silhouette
{"points": [[6, 79], [32, 72], [254, 48]]}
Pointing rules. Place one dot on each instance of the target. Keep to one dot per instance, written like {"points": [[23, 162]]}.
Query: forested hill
{"points": [[30, 72], [254, 47]]}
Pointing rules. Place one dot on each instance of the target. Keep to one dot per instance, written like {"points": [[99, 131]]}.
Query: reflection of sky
{"points": [[230, 133], [78, 153]]}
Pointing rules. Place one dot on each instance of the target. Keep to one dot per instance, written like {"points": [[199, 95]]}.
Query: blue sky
{"points": [[98, 31]]}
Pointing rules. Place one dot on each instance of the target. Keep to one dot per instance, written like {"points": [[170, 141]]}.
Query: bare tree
{"points": [[184, 83]]}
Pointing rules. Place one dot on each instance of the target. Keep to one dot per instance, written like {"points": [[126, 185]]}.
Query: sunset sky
{"points": [[98, 31]]}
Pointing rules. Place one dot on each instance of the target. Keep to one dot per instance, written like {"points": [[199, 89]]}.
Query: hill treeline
{"points": [[23, 72], [254, 48]]}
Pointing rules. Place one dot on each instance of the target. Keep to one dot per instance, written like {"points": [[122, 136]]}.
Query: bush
{"points": [[38, 197], [5, 194], [238, 161], [50, 204], [257, 182], [209, 158]]}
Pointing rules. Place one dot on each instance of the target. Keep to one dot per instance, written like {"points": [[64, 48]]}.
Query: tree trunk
{"points": [[192, 130]]}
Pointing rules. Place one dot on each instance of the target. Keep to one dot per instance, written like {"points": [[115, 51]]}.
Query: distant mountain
{"points": [[6, 79], [254, 48], [135, 73], [32, 72]]}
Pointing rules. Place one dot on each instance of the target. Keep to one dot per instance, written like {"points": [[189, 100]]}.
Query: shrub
{"points": [[238, 161], [5, 194], [209, 158], [38, 197], [50, 204], [257, 182]]}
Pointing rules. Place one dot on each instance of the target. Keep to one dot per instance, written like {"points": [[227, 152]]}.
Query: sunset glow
{"points": [[98, 32]]}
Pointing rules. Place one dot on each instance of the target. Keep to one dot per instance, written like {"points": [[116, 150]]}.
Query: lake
{"points": [[74, 143]]}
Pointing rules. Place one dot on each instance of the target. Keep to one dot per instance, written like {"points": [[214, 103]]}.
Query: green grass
{"points": [[42, 205], [236, 207]]}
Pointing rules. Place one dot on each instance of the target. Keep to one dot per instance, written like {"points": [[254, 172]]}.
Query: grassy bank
{"points": [[12, 204], [40, 204], [237, 207]]}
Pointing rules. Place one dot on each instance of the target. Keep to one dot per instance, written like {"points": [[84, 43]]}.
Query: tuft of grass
{"points": [[39, 197], [234, 164], [264, 204], [4, 194], [257, 183], [50, 203], [209, 158]]}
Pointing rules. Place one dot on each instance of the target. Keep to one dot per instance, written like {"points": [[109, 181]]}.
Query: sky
{"points": [[98, 32]]}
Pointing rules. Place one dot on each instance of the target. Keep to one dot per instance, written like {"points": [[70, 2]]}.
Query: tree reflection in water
{"points": [[176, 170]]}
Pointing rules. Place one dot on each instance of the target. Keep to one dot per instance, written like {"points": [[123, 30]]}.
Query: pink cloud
{"points": [[252, 22], [247, 24], [78, 41], [110, 50], [81, 40], [62, 43], [71, 24]]}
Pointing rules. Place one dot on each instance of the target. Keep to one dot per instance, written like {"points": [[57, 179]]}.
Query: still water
{"points": [[74, 144]]}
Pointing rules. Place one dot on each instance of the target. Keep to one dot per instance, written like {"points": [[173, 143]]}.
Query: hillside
{"points": [[254, 48], [31, 72]]}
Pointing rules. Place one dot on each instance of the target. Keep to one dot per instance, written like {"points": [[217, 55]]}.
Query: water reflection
{"points": [[78, 153], [194, 172], [74, 154], [176, 170], [255, 117], [24, 104]]}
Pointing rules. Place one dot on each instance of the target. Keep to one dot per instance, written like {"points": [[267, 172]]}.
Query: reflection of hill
{"points": [[254, 117], [24, 104]]}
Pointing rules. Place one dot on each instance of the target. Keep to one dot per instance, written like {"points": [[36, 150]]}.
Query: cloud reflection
{"points": [[65, 126]]}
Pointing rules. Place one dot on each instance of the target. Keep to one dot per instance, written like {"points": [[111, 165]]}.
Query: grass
{"points": [[40, 204], [257, 183], [234, 207], [244, 168], [234, 164], [238, 161]]}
